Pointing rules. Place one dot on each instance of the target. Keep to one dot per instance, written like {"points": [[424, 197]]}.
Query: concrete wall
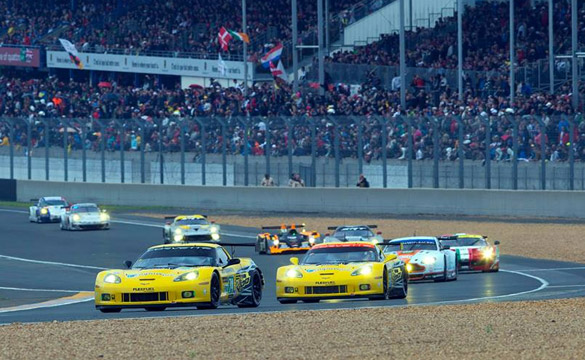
{"points": [[319, 200]]}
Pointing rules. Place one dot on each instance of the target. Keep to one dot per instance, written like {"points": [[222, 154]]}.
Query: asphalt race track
{"points": [[47, 274]]}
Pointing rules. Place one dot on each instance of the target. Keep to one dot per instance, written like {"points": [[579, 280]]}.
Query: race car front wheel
{"points": [[384, 295], [214, 293], [110, 310], [400, 291], [256, 297]]}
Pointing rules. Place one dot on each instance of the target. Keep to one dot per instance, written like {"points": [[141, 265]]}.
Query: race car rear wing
{"points": [[283, 226], [174, 216], [454, 237], [335, 227]]}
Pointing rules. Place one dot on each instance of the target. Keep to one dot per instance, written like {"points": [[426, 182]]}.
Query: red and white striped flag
{"points": [[278, 71], [224, 38]]}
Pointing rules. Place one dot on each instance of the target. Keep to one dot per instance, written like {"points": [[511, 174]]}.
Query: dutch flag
{"points": [[272, 56]]}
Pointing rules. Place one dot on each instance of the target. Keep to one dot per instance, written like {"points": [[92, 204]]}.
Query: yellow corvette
{"points": [[197, 274], [342, 270]]}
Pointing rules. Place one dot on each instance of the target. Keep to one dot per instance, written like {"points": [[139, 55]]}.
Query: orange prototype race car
{"points": [[291, 238]]}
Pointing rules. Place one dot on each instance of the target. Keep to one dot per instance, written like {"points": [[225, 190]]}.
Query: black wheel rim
{"points": [[257, 289]]}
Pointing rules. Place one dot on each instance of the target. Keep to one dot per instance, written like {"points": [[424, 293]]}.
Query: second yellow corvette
{"points": [[342, 270]]}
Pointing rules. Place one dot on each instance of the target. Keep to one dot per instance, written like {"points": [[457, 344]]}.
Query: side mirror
{"points": [[233, 262], [379, 233], [446, 247], [327, 234], [497, 242], [294, 260], [128, 264]]}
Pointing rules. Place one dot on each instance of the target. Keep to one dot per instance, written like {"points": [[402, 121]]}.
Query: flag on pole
{"points": [[272, 56], [278, 71], [221, 65], [240, 36], [72, 51], [224, 38]]}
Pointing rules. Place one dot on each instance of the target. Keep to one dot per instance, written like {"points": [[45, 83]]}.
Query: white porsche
{"points": [[47, 209], [86, 216], [425, 258]]}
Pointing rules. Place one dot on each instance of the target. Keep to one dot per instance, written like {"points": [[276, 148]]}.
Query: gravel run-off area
{"points": [[515, 330]]}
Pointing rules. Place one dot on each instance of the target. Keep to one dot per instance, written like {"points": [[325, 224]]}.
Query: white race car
{"points": [[47, 209], [425, 258], [189, 228], [87, 216], [353, 233]]}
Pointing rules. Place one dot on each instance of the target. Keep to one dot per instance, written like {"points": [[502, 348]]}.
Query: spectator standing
{"points": [[296, 181], [363, 182]]}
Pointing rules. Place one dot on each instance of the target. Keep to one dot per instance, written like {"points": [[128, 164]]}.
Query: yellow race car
{"points": [[203, 275], [342, 270]]}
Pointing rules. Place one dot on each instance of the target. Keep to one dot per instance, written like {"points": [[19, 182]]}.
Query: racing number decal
{"points": [[228, 286]]}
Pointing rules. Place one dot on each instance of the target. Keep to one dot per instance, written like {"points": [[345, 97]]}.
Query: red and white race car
{"points": [[474, 252]]}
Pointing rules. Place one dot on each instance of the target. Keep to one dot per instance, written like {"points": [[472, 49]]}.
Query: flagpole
{"points": [[320, 42], [245, 49], [295, 57]]}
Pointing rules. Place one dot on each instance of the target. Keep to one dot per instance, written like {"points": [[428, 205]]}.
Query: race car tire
{"points": [[61, 226], [214, 293], [401, 292], [492, 270], [154, 308], [256, 297], [383, 296], [311, 301], [454, 278], [39, 220], [111, 310], [258, 247], [287, 301], [444, 277]]}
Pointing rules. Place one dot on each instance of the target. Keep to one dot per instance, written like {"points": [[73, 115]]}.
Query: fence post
{"points": [[223, 151], [436, 151], [244, 122], [11, 131], [28, 148], [360, 150], [65, 125], [571, 153], [383, 122], [289, 149], [409, 150], [142, 144], [103, 149], [83, 151], [461, 152], [122, 146], [181, 124], [314, 151], [46, 126], [336, 148], [267, 146], [542, 153], [488, 138], [515, 149], [203, 150], [161, 158]]}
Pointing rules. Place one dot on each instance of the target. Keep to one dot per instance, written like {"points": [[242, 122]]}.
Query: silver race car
{"points": [[185, 228], [86, 216], [353, 233], [47, 209]]}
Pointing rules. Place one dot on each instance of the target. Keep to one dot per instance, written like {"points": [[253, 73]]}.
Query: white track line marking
{"points": [[50, 263], [565, 286], [80, 297], [554, 269], [41, 290]]}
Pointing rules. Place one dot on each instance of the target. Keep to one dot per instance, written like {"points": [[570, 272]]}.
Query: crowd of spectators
{"points": [[158, 119], [485, 38]]}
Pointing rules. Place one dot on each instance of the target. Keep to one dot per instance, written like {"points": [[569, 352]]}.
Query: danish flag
{"points": [[224, 38]]}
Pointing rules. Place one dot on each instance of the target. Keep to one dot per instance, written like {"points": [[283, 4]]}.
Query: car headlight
{"points": [[112, 279], [76, 217], [44, 211], [104, 217], [275, 242], [178, 237], [311, 240], [294, 273], [192, 275], [375, 241], [364, 270], [429, 260], [214, 236], [213, 229], [408, 268], [178, 231], [487, 253]]}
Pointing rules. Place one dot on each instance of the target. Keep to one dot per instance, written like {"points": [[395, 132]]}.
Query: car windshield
{"points": [[339, 255], [85, 209], [192, 221], [177, 256], [55, 203], [361, 232], [469, 241], [411, 245]]}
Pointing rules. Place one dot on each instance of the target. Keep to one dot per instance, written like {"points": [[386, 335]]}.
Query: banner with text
{"points": [[19, 56], [151, 65]]}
